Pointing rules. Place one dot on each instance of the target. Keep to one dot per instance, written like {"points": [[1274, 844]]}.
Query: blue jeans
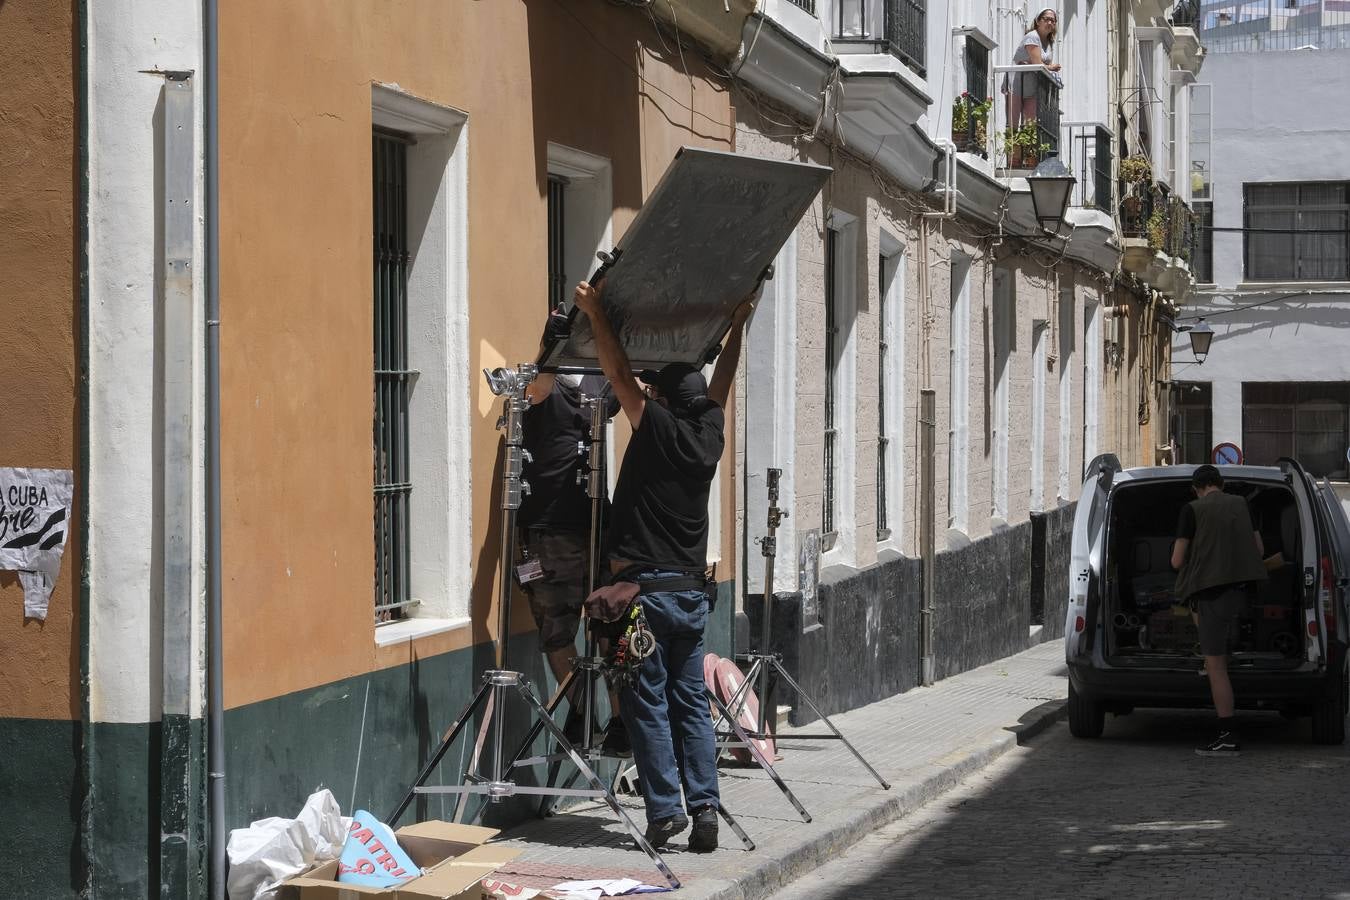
{"points": [[666, 710]]}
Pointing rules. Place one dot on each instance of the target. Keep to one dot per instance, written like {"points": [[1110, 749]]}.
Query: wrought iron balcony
{"points": [[808, 5], [1089, 146], [1186, 14], [1025, 132], [894, 26]]}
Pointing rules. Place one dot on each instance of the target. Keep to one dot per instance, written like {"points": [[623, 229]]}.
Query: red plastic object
{"points": [[729, 678]]}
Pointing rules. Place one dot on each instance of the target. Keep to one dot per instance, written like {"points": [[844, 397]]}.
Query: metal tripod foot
{"points": [[496, 786], [760, 759]]}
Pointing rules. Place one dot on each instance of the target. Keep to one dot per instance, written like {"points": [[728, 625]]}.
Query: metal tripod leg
{"points": [[599, 785], [471, 773], [760, 758], [736, 827], [802, 694], [449, 739], [736, 703]]}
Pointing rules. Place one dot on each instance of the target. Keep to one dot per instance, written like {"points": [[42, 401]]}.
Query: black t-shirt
{"points": [[553, 428], [660, 515], [1186, 522]]}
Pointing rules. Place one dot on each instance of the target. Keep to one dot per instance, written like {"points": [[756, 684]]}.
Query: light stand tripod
{"points": [[496, 785], [765, 661], [588, 667]]}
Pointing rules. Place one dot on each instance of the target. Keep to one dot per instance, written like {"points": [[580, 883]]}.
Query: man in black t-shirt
{"points": [[554, 519], [658, 537], [1217, 556]]}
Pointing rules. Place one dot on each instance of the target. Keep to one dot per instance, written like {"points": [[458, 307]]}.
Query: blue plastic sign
{"points": [[1227, 454], [372, 857]]}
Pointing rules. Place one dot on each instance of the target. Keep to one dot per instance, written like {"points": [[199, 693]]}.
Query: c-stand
{"points": [[496, 785], [763, 662]]}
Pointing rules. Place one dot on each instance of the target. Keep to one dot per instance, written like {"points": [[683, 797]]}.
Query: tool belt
{"points": [[616, 615]]}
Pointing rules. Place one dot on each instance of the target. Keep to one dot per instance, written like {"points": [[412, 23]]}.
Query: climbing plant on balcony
{"points": [[970, 122]]}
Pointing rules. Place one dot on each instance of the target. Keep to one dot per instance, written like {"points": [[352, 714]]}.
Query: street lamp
{"points": [[1201, 335], [1051, 184]]}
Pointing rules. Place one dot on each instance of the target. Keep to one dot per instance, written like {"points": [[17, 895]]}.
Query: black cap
{"points": [[682, 385]]}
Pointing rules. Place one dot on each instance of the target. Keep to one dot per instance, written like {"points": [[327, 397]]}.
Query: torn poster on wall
{"points": [[34, 521]]}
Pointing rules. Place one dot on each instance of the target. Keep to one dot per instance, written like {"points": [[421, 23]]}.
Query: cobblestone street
{"points": [[1135, 814]]}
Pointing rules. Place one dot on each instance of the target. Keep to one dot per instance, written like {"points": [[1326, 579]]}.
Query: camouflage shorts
{"points": [[555, 599]]}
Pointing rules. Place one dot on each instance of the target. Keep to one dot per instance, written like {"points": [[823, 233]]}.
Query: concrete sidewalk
{"points": [[923, 742]]}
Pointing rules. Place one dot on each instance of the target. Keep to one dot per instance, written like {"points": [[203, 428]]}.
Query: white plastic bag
{"points": [[271, 850]]}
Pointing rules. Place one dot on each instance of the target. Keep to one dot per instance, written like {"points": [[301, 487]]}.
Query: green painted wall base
{"points": [[41, 792], [364, 738]]}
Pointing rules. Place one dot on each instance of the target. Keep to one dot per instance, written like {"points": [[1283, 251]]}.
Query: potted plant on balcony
{"points": [[1022, 146], [970, 121], [1135, 176]]}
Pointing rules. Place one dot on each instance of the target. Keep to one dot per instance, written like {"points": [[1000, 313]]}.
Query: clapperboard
{"points": [[34, 521]]}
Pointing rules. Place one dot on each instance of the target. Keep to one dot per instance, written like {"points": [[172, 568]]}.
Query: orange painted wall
{"points": [[295, 226], [39, 661]]}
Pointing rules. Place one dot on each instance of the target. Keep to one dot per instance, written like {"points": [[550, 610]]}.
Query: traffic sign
{"points": [[1227, 454]]}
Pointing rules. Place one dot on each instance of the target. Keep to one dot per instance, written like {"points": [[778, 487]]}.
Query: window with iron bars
{"points": [[557, 257], [1203, 261], [1297, 231], [883, 441], [827, 523], [391, 463]]}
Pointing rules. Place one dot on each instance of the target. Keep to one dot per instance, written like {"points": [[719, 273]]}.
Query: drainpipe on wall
{"points": [[928, 421], [215, 726]]}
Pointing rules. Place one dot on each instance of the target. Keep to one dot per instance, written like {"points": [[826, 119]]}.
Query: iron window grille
{"points": [[557, 233], [1194, 428], [1203, 263], [973, 138], [1297, 231], [977, 69], [393, 488], [808, 5], [883, 519], [827, 524], [1308, 421]]}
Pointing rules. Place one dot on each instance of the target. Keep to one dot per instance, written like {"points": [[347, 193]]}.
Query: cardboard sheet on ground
{"points": [[694, 251], [35, 510]]}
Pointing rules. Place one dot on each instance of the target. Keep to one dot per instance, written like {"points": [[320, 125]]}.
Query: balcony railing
{"points": [[899, 30], [1186, 13], [808, 5], [1024, 133], [905, 31], [1088, 157], [1181, 223]]}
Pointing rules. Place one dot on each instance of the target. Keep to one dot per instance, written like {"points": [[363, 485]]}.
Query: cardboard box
{"points": [[456, 858]]}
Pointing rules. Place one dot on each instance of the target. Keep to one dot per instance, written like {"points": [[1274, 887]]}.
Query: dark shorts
{"points": [[1218, 610], [555, 599]]}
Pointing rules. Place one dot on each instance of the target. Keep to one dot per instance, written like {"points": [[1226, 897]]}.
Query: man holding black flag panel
{"points": [[657, 545]]}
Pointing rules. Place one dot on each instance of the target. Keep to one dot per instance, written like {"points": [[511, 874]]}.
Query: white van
{"points": [[1129, 643]]}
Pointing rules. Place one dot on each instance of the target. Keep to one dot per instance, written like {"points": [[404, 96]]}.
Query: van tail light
{"points": [[1312, 628], [1078, 625]]}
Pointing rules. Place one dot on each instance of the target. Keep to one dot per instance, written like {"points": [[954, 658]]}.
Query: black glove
{"points": [[558, 328]]}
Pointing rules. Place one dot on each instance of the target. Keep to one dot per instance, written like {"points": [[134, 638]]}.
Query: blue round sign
{"points": [[1227, 454]]}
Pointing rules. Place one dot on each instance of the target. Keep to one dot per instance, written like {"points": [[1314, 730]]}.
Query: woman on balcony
{"points": [[1036, 49]]}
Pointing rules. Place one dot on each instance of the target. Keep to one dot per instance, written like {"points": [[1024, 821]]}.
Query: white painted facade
{"points": [[128, 42], [1300, 332], [981, 307]]}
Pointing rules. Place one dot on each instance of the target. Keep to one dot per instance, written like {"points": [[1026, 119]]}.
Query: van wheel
{"points": [[1087, 717], [1328, 721]]}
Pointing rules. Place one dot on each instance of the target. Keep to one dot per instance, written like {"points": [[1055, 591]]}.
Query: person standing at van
{"points": [[1217, 555]]}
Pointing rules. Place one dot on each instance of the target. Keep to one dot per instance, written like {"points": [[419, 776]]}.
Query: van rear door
{"points": [[1336, 572], [1312, 538], [1085, 560]]}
